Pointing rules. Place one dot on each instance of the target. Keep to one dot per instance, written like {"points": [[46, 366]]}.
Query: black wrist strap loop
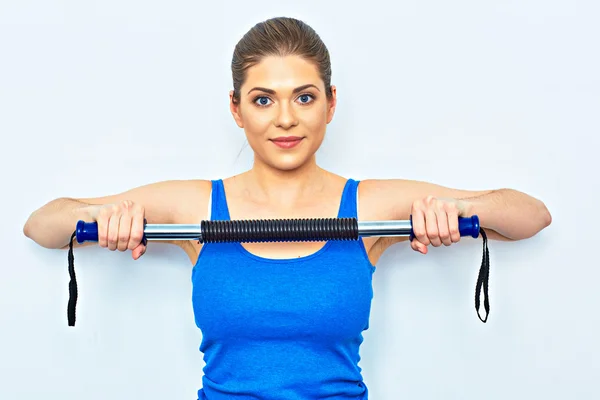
{"points": [[72, 285], [483, 279]]}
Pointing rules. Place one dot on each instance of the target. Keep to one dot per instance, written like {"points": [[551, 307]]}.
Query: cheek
{"points": [[315, 120], [256, 123]]}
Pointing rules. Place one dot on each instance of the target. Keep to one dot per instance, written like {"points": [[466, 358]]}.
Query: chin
{"points": [[288, 162]]}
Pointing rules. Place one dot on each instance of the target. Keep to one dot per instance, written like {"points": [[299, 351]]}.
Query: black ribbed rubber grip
{"points": [[279, 230]]}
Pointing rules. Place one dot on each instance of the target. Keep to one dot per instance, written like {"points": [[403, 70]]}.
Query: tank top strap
{"points": [[218, 208], [349, 202]]}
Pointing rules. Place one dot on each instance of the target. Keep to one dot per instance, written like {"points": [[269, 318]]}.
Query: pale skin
{"points": [[288, 183]]}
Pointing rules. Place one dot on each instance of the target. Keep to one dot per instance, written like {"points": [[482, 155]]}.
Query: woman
{"points": [[285, 320]]}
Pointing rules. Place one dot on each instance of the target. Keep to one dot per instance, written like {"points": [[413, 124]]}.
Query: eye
{"points": [[306, 98], [262, 101]]}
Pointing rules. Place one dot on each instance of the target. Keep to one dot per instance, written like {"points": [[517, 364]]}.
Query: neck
{"points": [[286, 187]]}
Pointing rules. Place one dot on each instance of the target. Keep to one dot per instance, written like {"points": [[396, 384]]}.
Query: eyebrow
{"points": [[296, 90]]}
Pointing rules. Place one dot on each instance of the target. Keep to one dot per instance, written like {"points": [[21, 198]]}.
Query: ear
{"points": [[332, 104], [235, 110]]}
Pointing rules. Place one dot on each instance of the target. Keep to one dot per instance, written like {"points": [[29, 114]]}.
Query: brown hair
{"points": [[279, 37]]}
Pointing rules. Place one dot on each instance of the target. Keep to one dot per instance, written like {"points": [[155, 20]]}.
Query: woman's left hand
{"points": [[435, 222]]}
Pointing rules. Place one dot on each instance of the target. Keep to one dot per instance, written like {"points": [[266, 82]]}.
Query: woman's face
{"points": [[284, 111]]}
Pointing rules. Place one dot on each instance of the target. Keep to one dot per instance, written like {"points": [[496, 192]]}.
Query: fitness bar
{"points": [[277, 230], [282, 230]]}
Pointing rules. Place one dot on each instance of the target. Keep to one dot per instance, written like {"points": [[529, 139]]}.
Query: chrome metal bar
{"points": [[384, 228], [173, 232], [194, 232]]}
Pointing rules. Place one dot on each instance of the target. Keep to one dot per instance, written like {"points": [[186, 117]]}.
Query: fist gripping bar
{"points": [[281, 230]]}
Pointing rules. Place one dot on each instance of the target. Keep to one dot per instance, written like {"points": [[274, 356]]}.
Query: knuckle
{"points": [[125, 207], [450, 207], [136, 237], [433, 233]]}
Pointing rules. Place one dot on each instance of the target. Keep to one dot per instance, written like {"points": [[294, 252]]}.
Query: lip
{"points": [[287, 139], [287, 142]]}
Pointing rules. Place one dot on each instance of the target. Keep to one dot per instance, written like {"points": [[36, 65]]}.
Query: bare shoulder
{"points": [[191, 206], [379, 199], [368, 192], [190, 199]]}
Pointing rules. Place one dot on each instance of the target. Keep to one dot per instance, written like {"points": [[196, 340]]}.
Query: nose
{"points": [[286, 117]]}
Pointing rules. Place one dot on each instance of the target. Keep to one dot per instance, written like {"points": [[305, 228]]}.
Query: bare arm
{"points": [[507, 214], [167, 202], [51, 226]]}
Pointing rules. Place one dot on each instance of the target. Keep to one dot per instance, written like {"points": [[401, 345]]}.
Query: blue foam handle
{"points": [[467, 226], [86, 231]]}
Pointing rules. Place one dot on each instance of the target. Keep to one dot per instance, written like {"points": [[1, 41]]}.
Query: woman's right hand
{"points": [[121, 227]]}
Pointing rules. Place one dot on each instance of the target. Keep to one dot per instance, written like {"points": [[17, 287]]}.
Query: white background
{"points": [[97, 97]]}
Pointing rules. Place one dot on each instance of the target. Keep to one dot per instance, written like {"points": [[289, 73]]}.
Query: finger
{"points": [[137, 231], [124, 232], [418, 246], [102, 222], [138, 251], [431, 225], [113, 231], [453, 225], [443, 228], [418, 226], [414, 244]]}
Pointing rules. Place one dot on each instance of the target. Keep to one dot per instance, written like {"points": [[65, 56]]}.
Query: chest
{"points": [[327, 294]]}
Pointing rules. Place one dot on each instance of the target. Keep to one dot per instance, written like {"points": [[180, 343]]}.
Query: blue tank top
{"points": [[282, 328]]}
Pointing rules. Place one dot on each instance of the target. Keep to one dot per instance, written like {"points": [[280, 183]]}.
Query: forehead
{"points": [[282, 72]]}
